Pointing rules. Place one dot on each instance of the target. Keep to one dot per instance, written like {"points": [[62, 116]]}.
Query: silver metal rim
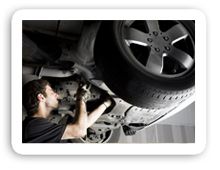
{"points": [[160, 47], [98, 138]]}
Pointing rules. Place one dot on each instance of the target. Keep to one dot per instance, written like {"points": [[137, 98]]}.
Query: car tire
{"points": [[149, 64]]}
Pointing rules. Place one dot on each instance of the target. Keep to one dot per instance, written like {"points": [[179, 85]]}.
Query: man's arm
{"points": [[83, 121], [79, 127], [94, 115]]}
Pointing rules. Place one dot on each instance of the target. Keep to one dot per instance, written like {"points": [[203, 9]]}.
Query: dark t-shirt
{"points": [[40, 130]]}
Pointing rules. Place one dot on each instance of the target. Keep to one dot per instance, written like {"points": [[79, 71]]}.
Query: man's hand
{"points": [[83, 93]]}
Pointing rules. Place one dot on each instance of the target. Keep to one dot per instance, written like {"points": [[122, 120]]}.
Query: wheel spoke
{"points": [[135, 36], [177, 33], [153, 25], [182, 57], [128, 23], [155, 63]]}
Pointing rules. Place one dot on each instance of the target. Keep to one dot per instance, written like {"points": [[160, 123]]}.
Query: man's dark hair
{"points": [[29, 94]]}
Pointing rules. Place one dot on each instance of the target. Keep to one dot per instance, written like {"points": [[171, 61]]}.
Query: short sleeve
{"points": [[40, 130]]}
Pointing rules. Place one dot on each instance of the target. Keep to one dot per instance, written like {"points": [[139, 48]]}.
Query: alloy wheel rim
{"points": [[157, 50]]}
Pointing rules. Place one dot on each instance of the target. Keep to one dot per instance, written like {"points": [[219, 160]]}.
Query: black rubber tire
{"points": [[124, 77]]}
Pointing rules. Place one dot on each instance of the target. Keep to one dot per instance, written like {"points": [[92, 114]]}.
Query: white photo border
{"points": [[117, 148]]}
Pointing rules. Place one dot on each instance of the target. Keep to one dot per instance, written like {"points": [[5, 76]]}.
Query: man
{"points": [[39, 100]]}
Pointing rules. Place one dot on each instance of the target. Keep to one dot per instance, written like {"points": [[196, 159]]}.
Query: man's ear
{"points": [[40, 97]]}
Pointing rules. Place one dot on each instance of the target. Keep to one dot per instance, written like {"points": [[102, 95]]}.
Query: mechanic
{"points": [[40, 100]]}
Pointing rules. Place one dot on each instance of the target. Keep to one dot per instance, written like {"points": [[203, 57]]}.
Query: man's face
{"points": [[51, 99]]}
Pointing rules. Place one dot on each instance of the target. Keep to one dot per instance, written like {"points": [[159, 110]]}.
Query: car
{"points": [[147, 67]]}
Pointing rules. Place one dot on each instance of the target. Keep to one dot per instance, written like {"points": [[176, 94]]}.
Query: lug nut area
{"points": [[167, 48], [155, 33], [166, 38], [156, 42], [157, 49], [150, 40]]}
